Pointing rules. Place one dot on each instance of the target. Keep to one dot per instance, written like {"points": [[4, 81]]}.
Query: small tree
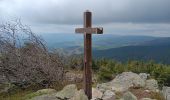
{"points": [[24, 56]]}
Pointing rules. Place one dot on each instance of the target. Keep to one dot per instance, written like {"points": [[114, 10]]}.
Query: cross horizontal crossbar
{"points": [[89, 30]]}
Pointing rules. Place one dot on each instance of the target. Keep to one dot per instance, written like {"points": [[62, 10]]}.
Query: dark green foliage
{"points": [[158, 53], [106, 69]]}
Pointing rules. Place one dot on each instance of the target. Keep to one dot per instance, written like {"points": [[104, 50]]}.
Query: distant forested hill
{"points": [[157, 49], [113, 46], [100, 42], [159, 53]]}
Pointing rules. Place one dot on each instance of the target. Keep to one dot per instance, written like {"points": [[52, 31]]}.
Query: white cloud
{"points": [[123, 16]]}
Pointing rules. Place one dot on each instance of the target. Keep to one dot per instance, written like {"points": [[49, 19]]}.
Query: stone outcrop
{"points": [[104, 86], [108, 95], [96, 93], [123, 82], [166, 92], [118, 89], [79, 95], [126, 80], [67, 92], [152, 85], [129, 96], [144, 76]]}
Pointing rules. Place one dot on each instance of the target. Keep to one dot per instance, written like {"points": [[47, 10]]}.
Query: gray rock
{"points": [[108, 95], [79, 95], [129, 96], [151, 84], [104, 86], [144, 76], [123, 81], [168, 97], [67, 92], [166, 92], [96, 93]]}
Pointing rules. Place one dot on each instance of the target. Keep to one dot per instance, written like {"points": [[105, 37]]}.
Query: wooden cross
{"points": [[87, 30]]}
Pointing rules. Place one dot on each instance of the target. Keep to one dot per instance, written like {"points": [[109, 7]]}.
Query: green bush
{"points": [[106, 69]]}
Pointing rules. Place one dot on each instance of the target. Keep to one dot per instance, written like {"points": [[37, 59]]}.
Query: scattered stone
{"points": [[96, 93], [67, 92], [166, 92], [119, 88], [104, 86], [168, 97], [124, 81], [152, 85], [129, 96], [138, 84], [144, 76], [108, 95], [79, 95]]}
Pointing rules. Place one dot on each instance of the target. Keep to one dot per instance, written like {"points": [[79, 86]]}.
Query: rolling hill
{"points": [[157, 53], [157, 50], [121, 48], [100, 42]]}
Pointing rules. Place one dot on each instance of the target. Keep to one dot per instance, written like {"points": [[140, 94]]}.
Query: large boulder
{"points": [[151, 84], [124, 81], [67, 92], [96, 93], [108, 95], [79, 95], [129, 96]]}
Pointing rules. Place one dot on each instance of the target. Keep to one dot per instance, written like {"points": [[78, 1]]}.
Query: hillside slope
{"points": [[156, 53]]}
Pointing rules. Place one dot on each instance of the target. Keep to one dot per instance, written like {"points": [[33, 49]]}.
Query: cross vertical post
{"points": [[87, 56], [87, 31]]}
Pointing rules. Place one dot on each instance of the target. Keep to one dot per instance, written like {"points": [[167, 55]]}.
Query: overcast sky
{"points": [[122, 17]]}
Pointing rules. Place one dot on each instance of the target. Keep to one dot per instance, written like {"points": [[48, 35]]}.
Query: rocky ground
{"points": [[125, 86]]}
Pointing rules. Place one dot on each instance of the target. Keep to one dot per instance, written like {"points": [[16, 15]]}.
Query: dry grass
{"points": [[142, 93], [19, 94]]}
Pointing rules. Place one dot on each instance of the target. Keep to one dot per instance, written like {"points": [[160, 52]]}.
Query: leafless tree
{"points": [[24, 56]]}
